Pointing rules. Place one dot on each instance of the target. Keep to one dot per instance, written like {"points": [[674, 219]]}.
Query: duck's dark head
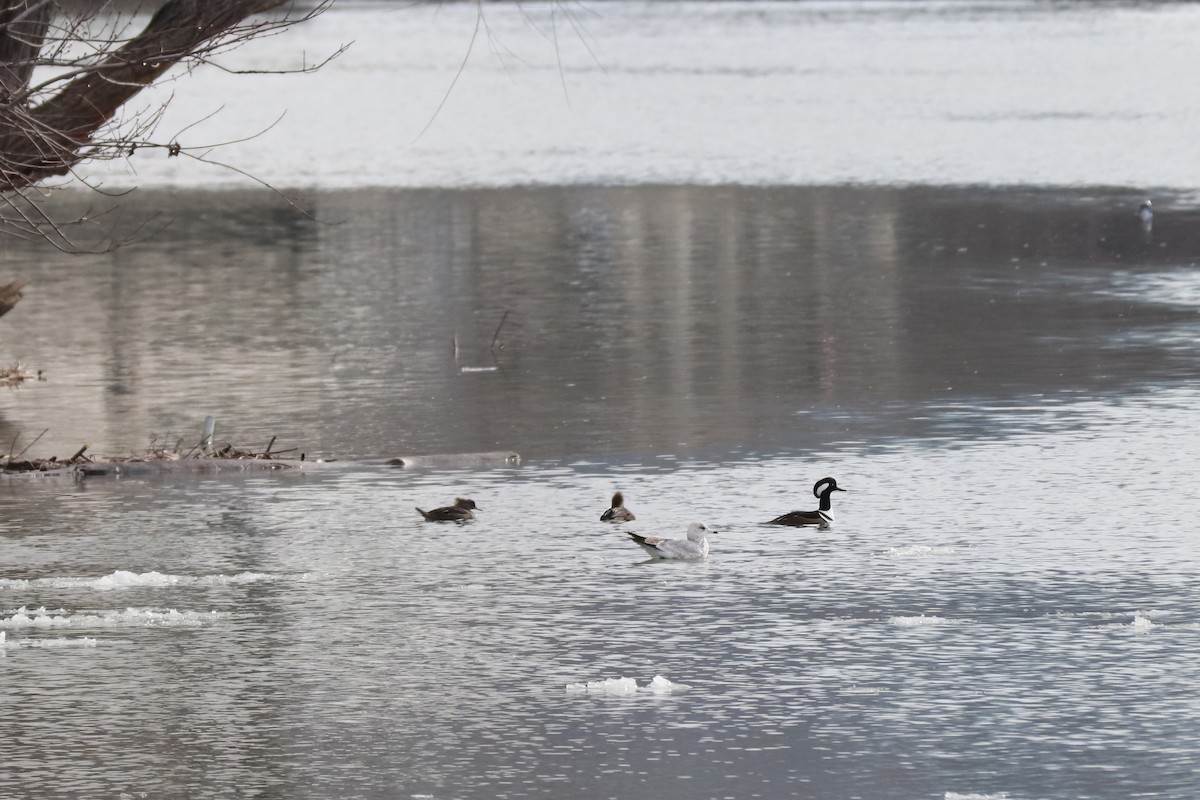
{"points": [[464, 502], [618, 500], [825, 486]]}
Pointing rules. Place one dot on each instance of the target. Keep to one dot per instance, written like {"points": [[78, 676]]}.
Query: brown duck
{"points": [[462, 510], [618, 512]]}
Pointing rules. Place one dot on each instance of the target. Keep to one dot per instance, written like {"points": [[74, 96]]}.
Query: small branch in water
{"points": [[195, 447], [267, 452], [78, 453], [496, 335], [13, 446]]}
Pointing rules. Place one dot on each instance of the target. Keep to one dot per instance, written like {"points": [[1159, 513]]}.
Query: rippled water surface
{"points": [[1012, 618], [1003, 379], [1004, 608]]}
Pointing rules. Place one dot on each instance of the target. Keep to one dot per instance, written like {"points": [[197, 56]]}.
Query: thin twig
{"points": [[461, 68], [31, 444], [496, 335]]}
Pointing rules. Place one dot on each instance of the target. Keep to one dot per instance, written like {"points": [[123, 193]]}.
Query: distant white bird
{"points": [[1146, 212], [694, 547]]}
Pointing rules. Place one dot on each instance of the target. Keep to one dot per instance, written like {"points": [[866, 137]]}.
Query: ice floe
{"points": [[920, 550], [1143, 621], [919, 620], [77, 641], [124, 579], [659, 685], [118, 618]]}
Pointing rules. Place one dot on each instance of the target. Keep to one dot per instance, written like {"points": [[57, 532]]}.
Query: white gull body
{"points": [[693, 548]]}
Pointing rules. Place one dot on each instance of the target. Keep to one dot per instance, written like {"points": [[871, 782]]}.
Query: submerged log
{"points": [[498, 458], [195, 466]]}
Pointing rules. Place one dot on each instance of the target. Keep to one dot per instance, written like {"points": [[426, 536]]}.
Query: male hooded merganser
{"points": [[618, 512], [1146, 212], [820, 518], [694, 547], [461, 510]]}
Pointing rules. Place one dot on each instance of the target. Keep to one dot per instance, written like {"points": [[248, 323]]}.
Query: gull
{"points": [[694, 547]]}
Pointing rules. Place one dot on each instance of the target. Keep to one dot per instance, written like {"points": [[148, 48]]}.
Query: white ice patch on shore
{"points": [[126, 618], [626, 686], [123, 579], [918, 621]]}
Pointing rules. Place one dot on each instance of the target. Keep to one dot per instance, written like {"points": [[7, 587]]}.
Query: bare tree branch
{"points": [[91, 62]]}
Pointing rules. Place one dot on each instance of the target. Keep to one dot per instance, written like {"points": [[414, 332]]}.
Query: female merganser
{"points": [[694, 547], [618, 512], [461, 510], [822, 517]]}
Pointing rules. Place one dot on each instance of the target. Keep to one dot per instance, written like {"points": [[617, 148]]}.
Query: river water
{"points": [[1002, 376]]}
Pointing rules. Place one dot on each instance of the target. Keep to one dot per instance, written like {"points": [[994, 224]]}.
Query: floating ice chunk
{"points": [[129, 617], [124, 579], [1142, 622], [39, 618], [919, 620], [607, 686], [76, 641], [918, 550], [659, 685]]}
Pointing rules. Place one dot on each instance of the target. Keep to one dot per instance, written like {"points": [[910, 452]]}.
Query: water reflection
{"points": [[640, 320]]}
